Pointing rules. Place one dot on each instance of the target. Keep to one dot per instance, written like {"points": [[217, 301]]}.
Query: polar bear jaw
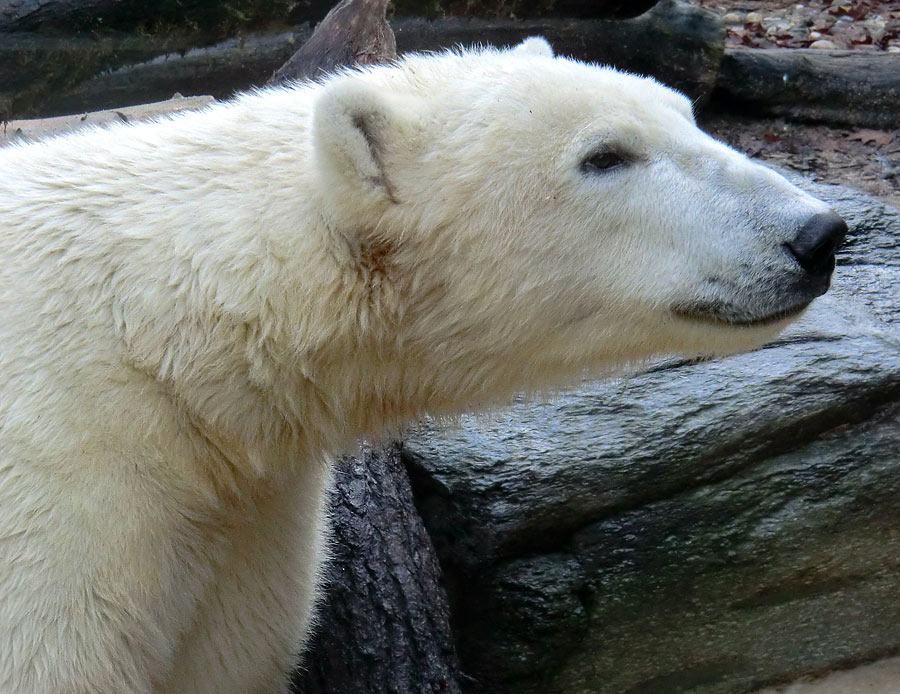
{"points": [[674, 243]]}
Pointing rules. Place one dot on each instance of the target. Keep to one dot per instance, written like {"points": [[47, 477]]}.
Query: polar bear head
{"points": [[553, 215]]}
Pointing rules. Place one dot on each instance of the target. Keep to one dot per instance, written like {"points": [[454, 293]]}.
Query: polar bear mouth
{"points": [[722, 314]]}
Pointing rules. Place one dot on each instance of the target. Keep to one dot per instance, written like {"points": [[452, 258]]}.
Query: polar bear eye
{"points": [[598, 162]]}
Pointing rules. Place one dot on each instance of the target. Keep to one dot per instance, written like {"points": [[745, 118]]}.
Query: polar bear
{"points": [[196, 312]]}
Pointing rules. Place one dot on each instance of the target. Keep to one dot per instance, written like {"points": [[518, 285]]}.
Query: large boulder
{"points": [[707, 527]]}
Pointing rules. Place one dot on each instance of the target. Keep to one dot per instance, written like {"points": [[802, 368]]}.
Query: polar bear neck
{"points": [[274, 343]]}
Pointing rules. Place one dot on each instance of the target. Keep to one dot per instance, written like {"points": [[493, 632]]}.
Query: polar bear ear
{"points": [[535, 45], [354, 129]]}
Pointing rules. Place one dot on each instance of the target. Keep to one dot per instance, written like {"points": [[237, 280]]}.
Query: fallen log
{"points": [[219, 17], [220, 70], [353, 33], [585, 9], [29, 130], [677, 43], [36, 69], [850, 88]]}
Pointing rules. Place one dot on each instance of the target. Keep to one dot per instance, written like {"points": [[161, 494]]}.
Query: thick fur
{"points": [[195, 313]]}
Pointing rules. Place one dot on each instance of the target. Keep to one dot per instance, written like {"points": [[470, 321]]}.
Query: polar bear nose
{"points": [[817, 241]]}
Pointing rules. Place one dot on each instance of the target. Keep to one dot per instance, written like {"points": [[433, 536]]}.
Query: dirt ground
{"points": [[862, 158]]}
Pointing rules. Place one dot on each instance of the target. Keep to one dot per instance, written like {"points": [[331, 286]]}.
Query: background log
{"points": [[224, 17], [353, 33], [676, 42], [220, 18], [219, 70], [28, 130], [853, 88], [506, 9], [43, 76]]}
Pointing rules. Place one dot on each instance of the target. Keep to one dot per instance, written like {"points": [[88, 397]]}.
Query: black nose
{"points": [[816, 242]]}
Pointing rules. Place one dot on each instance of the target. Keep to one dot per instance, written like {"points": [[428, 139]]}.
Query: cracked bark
{"points": [[383, 624]]}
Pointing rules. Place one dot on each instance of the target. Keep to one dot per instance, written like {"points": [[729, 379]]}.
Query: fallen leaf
{"points": [[872, 137], [840, 7]]}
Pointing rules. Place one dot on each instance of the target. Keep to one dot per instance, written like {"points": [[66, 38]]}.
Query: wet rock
{"points": [[706, 527]]}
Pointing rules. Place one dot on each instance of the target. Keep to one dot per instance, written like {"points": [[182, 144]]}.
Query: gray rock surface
{"points": [[702, 527]]}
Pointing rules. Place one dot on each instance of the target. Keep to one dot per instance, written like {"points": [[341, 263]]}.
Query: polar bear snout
{"points": [[817, 241]]}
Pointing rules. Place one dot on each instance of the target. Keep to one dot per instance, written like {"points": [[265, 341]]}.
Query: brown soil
{"points": [[865, 159], [861, 158]]}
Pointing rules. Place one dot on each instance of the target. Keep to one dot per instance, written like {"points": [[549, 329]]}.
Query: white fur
{"points": [[196, 312]]}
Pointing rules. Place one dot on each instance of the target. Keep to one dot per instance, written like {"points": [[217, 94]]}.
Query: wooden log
{"points": [[35, 69], [218, 16], [49, 76], [854, 88], [504, 9], [355, 32], [677, 43], [221, 18], [29, 130], [26, 15]]}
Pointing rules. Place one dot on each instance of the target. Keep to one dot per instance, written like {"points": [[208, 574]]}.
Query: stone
{"points": [[707, 526], [824, 43]]}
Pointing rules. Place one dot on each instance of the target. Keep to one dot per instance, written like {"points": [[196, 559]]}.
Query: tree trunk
{"points": [[841, 87], [355, 32], [384, 623]]}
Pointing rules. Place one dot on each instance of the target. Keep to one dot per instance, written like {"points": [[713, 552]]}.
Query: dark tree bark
{"points": [[384, 624], [355, 32], [840, 87]]}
